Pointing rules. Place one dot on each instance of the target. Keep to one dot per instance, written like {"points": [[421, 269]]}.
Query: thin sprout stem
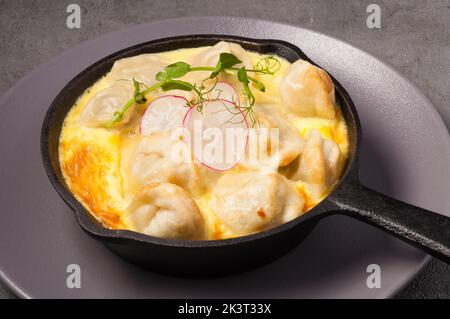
{"points": [[210, 68], [250, 70], [119, 115], [202, 68], [152, 88]]}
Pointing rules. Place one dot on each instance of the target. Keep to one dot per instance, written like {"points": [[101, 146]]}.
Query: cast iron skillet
{"points": [[424, 229]]}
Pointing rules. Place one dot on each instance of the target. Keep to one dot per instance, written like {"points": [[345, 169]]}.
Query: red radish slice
{"points": [[218, 135], [164, 113], [224, 91]]}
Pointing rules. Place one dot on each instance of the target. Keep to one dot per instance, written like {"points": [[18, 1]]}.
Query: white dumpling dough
{"points": [[210, 57], [165, 210], [164, 113], [319, 163], [142, 68], [307, 90], [158, 157], [269, 148], [100, 109], [251, 201]]}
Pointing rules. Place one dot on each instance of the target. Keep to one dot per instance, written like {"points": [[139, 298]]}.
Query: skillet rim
{"points": [[93, 227]]}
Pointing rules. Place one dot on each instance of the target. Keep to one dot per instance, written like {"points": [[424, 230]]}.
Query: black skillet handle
{"points": [[424, 229]]}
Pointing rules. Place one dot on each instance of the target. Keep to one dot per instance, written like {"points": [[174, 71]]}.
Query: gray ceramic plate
{"points": [[405, 154]]}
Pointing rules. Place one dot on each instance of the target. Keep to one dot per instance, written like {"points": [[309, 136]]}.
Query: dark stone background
{"points": [[414, 38]]}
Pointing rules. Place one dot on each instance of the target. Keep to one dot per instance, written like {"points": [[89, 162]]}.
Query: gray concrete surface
{"points": [[414, 37]]}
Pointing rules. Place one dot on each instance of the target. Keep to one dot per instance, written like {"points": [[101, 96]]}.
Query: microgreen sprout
{"points": [[169, 79]]}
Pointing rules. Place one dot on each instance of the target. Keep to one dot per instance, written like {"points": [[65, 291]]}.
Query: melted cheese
{"points": [[90, 158]]}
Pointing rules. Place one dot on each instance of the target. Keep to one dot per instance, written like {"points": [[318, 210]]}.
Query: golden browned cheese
{"points": [[85, 172], [97, 162]]}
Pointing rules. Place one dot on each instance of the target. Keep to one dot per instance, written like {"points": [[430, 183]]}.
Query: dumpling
{"points": [[158, 157], [142, 68], [250, 201], [101, 107], [319, 163], [164, 113], [210, 57], [307, 90], [165, 210], [270, 148]]}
